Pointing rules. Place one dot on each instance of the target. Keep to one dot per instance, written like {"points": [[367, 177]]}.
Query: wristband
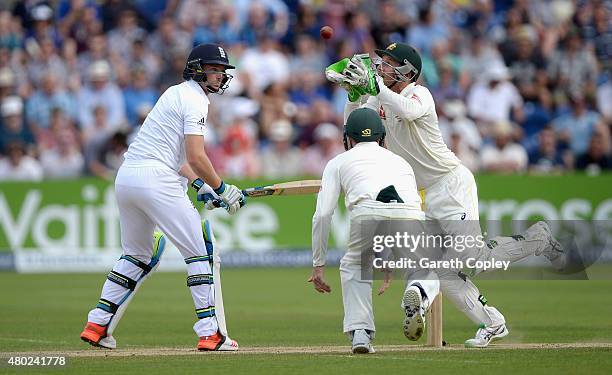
{"points": [[220, 189], [197, 184]]}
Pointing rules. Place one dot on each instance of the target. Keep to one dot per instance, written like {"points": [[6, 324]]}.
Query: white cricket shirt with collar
{"points": [[181, 110], [361, 173]]}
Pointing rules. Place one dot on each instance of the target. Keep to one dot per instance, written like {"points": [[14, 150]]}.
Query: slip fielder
{"points": [[408, 113], [379, 186], [151, 193]]}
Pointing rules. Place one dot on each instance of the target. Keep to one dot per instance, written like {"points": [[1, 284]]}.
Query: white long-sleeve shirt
{"points": [[361, 173], [412, 131]]}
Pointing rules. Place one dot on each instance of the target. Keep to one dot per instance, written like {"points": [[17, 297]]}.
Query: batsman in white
{"points": [[408, 113], [151, 193], [379, 186]]}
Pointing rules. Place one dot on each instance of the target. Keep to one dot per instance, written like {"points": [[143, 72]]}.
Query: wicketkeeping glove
{"points": [[360, 68], [334, 73], [355, 75]]}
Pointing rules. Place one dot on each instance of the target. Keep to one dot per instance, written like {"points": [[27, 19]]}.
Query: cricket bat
{"points": [[303, 187]]}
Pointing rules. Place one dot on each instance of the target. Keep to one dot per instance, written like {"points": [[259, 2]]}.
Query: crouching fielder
{"points": [[369, 175], [150, 194]]}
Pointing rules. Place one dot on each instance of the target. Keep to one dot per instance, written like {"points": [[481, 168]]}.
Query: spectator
{"points": [[66, 159], [138, 94], [455, 121], [604, 98], [576, 128], [7, 83], [18, 166], [100, 92], [307, 87], [121, 38], [13, 128], [447, 87], [281, 158], [97, 51], [495, 99], [390, 23], [328, 144], [538, 115], [168, 37], [262, 23], [480, 55], [46, 138], [46, 60], [216, 29], [527, 65], [142, 56], [172, 73], [573, 67], [504, 155], [597, 157], [9, 38], [49, 96], [467, 155], [265, 64], [105, 158], [80, 22], [427, 31], [308, 57], [239, 157], [547, 157], [603, 36], [42, 26]]}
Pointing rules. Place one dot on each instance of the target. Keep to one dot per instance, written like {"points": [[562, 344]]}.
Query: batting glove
{"points": [[231, 196]]}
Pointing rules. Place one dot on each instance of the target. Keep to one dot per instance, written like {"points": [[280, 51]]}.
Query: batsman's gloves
{"points": [[231, 196], [206, 194], [211, 199]]}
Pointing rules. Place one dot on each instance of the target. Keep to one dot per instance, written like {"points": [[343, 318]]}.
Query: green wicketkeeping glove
{"points": [[355, 75]]}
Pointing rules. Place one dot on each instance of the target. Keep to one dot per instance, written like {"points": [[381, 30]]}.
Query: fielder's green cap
{"points": [[364, 125]]}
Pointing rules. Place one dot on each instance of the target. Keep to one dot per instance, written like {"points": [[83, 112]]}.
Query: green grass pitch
{"points": [[278, 308]]}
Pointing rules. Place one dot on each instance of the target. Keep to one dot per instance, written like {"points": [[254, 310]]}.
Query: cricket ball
{"points": [[326, 32]]}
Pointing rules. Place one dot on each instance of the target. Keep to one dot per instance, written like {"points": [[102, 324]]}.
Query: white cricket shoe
{"points": [[108, 342], [414, 308], [551, 248], [485, 335], [362, 342]]}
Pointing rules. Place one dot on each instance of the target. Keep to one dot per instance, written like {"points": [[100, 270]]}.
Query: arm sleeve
{"points": [[195, 113], [410, 108], [326, 205], [365, 101]]}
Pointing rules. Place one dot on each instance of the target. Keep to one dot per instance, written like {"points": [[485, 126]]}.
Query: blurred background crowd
{"points": [[520, 86]]}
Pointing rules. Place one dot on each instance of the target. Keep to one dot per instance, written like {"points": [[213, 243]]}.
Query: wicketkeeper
{"points": [[409, 116]]}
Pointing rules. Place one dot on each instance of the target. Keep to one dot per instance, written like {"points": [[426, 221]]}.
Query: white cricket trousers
{"points": [[150, 197], [357, 292], [454, 199]]}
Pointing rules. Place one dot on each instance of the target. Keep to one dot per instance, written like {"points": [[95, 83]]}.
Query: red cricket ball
{"points": [[326, 32]]}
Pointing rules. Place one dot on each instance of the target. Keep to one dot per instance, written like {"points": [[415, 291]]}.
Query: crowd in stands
{"points": [[520, 86]]}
